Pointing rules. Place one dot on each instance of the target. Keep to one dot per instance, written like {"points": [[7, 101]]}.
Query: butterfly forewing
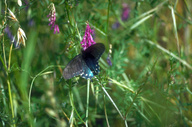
{"points": [[95, 51], [91, 56], [74, 67]]}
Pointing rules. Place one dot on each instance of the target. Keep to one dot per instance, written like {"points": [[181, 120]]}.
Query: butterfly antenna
{"points": [[110, 98]]}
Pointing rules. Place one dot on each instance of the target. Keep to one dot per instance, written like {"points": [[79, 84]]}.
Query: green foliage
{"points": [[149, 81]]}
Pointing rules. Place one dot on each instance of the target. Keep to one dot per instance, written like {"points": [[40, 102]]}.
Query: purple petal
{"points": [[125, 13], [109, 61]]}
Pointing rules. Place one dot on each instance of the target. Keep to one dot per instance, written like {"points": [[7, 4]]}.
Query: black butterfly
{"points": [[86, 63]]}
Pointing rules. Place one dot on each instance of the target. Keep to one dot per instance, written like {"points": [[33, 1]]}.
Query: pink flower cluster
{"points": [[125, 13], [52, 19], [87, 38]]}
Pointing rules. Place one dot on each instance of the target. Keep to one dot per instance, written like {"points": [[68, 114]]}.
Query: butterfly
{"points": [[86, 63]]}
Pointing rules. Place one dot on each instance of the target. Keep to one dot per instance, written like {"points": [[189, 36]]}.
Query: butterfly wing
{"points": [[91, 56], [97, 69], [74, 67], [77, 66], [94, 51], [87, 73], [85, 64]]}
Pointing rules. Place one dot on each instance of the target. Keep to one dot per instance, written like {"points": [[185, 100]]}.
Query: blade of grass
{"points": [[140, 89], [77, 95], [33, 80], [29, 52], [7, 69], [73, 107], [175, 29], [11, 102], [140, 22], [9, 86], [170, 53], [98, 29], [106, 117], [121, 85], [110, 99], [71, 101], [10, 56]]}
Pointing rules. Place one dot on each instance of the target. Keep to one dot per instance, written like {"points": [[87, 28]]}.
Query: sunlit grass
{"points": [[148, 84]]}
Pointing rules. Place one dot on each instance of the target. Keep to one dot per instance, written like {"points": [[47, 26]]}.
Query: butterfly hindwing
{"points": [[74, 67], [97, 69], [87, 73]]}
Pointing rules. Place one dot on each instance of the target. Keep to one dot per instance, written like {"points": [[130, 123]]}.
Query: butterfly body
{"points": [[86, 63]]}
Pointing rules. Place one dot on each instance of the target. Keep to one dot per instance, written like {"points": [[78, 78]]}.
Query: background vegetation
{"points": [[149, 80]]}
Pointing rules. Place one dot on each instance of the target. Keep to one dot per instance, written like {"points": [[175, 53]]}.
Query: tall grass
{"points": [[148, 84]]}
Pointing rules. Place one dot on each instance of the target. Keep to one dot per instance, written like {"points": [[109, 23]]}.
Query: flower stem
{"points": [[7, 69], [87, 110], [106, 111], [71, 101]]}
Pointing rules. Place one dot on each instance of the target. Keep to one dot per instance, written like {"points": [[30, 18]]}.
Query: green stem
{"points": [[11, 102], [4, 56], [108, 21], [31, 86], [87, 110], [5, 61], [73, 106], [106, 112], [9, 86], [108, 16], [71, 101], [7, 69], [111, 99], [9, 63], [128, 109]]}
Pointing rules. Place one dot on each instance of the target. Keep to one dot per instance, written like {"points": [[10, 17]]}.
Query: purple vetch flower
{"points": [[87, 38], [109, 60], [56, 29], [125, 13], [31, 22], [116, 25], [52, 18], [27, 4]]}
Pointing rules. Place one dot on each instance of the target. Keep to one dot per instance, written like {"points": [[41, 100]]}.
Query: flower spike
{"points": [[52, 18], [87, 38]]}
